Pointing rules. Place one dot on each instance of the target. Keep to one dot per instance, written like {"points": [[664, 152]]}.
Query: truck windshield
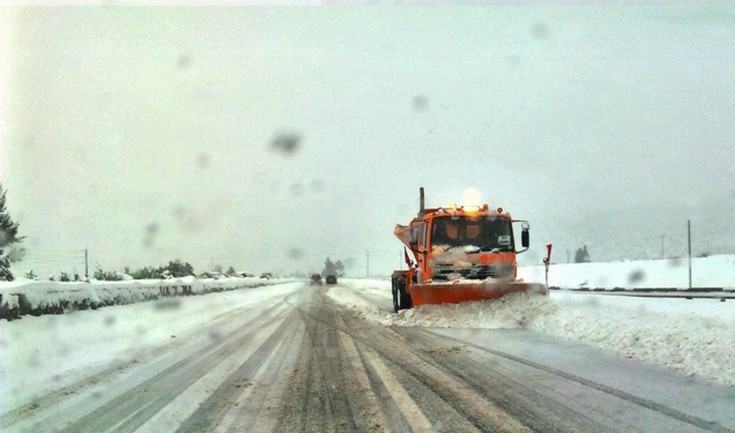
{"points": [[487, 234]]}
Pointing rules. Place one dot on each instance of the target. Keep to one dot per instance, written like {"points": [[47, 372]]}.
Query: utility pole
{"points": [[689, 246], [367, 270], [86, 263]]}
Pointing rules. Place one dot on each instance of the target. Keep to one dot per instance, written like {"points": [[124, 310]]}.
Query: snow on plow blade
{"points": [[458, 291]]}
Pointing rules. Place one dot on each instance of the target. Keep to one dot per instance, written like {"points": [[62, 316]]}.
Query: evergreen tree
{"points": [[177, 269], [102, 275], [581, 255], [340, 268], [329, 268], [231, 272], [8, 237]]}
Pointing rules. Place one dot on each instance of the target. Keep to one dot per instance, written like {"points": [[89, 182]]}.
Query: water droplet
{"points": [[183, 62], [636, 276], [167, 304], [540, 30], [420, 103], [286, 143], [297, 189], [203, 160]]}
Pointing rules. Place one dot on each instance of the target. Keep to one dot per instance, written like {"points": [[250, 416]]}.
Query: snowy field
{"points": [[713, 271], [41, 354], [693, 336]]}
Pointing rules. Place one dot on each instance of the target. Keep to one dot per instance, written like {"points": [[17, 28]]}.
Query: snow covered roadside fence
{"points": [[20, 298]]}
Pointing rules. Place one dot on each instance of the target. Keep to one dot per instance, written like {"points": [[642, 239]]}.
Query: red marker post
{"points": [[547, 261]]}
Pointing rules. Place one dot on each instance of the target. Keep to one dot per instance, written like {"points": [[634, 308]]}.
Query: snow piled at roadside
{"points": [[664, 333], [37, 296]]}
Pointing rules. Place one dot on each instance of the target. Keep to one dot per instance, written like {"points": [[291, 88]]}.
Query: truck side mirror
{"points": [[525, 238]]}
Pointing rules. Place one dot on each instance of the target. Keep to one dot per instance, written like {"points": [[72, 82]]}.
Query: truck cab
{"points": [[458, 243], [457, 252]]}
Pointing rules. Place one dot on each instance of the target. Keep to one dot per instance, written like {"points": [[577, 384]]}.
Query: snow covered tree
{"points": [[340, 268], [177, 269], [581, 255], [31, 275], [8, 237], [145, 273], [231, 272], [102, 275]]}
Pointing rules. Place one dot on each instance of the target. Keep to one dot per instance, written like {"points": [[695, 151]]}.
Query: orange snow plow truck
{"points": [[461, 254]]}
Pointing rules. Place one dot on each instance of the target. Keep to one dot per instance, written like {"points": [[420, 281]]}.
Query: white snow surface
{"points": [[696, 337], [712, 271], [45, 353], [42, 293]]}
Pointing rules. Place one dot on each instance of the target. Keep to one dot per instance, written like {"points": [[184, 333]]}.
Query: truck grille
{"points": [[476, 272]]}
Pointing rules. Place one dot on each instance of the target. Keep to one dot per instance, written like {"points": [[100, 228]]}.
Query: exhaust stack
{"points": [[421, 201]]}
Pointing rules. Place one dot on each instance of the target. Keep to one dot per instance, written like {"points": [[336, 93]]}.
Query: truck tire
{"points": [[401, 298], [405, 299]]}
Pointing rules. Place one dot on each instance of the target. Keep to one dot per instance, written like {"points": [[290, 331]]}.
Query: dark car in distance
{"points": [[316, 280], [331, 279]]}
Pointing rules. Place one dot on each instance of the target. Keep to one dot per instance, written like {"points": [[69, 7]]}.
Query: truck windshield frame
{"points": [[487, 233]]}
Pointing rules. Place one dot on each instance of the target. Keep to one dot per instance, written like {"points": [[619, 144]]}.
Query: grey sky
{"points": [[145, 134]]}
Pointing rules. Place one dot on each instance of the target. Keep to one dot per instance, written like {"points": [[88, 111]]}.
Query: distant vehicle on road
{"points": [[331, 279], [316, 280]]}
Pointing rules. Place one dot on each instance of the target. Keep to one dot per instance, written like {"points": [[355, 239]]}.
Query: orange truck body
{"points": [[460, 254]]}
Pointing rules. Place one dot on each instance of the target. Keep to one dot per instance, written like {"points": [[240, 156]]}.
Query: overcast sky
{"points": [[269, 138]]}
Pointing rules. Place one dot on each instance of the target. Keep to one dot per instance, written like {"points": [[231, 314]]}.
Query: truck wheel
{"points": [[406, 301], [401, 299]]}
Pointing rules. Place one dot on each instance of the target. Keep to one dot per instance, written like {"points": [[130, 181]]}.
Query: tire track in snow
{"points": [[454, 396], [534, 400], [211, 412], [648, 404], [320, 394], [168, 384], [66, 400]]}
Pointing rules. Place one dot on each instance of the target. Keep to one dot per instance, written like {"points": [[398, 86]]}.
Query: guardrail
{"points": [[721, 293]]}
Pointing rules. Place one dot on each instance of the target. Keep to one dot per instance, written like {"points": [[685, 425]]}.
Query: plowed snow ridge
{"points": [[696, 345]]}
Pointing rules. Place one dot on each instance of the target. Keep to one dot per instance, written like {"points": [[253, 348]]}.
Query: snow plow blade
{"points": [[459, 291]]}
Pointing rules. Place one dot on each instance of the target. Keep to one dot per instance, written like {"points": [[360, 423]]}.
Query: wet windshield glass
{"points": [[226, 217], [486, 234]]}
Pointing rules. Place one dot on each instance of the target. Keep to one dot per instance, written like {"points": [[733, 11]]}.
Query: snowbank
{"points": [[19, 298], [693, 336], [713, 271]]}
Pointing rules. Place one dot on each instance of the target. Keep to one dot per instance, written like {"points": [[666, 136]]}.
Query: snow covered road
{"points": [[291, 358]]}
